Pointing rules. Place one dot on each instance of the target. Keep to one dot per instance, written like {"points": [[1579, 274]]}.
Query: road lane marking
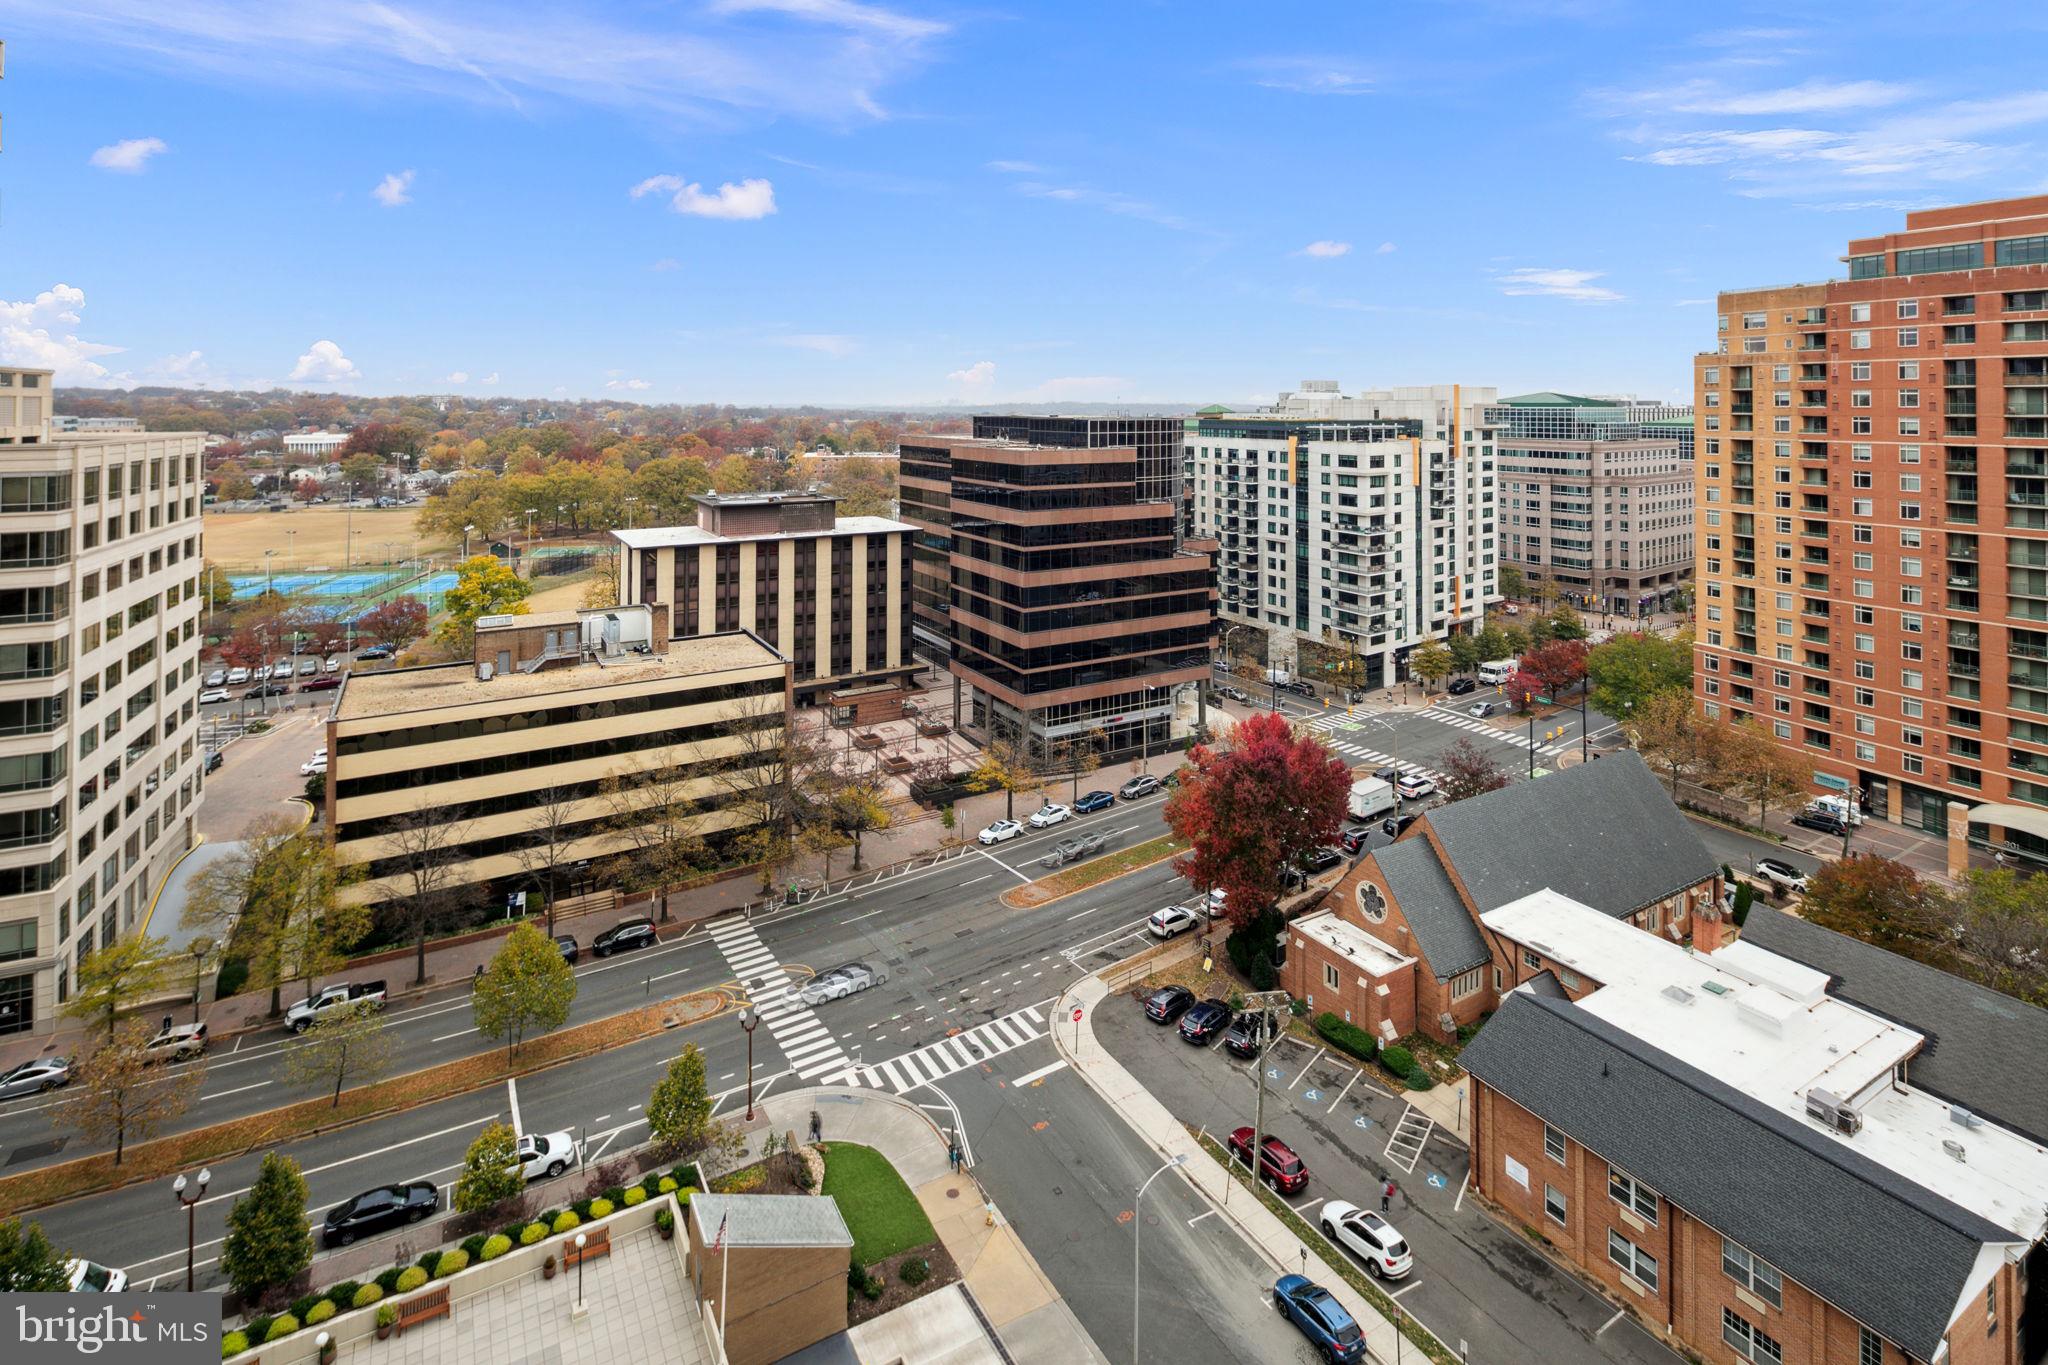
{"points": [[1030, 1076], [1304, 1071], [1200, 1216], [1412, 1284], [512, 1097], [1619, 1314], [1345, 1091], [364, 1156]]}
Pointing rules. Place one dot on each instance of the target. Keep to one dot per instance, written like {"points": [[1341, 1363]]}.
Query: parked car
{"points": [[1300, 687], [1229, 693], [1321, 859], [283, 667], [90, 1277], [237, 676], [260, 673], [543, 1154], [1000, 831], [1353, 837], [373, 652], [214, 694], [1394, 826], [334, 663], [1174, 919], [217, 678], [214, 759], [35, 1076], [1278, 1165], [1050, 814], [308, 667], [1415, 786], [336, 998], [1809, 819], [1090, 802], [1249, 1033], [373, 1211], [1168, 1003], [625, 936], [1316, 1313], [1387, 774], [320, 685], [269, 689], [315, 764], [1781, 874], [840, 982], [567, 943], [1144, 784], [1461, 686], [1205, 1020], [1369, 1237], [177, 1043]]}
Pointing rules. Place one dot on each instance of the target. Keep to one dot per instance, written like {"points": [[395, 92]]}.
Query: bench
{"points": [[423, 1308], [598, 1243]]}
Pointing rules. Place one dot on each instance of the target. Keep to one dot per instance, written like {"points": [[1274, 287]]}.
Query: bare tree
{"points": [[654, 814], [551, 835], [770, 772], [117, 1096], [427, 889]]}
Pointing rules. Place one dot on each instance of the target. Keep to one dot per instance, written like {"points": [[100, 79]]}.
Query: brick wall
{"points": [[1358, 998]]}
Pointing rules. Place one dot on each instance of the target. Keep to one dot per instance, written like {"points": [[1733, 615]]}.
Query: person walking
{"points": [[1387, 1196]]}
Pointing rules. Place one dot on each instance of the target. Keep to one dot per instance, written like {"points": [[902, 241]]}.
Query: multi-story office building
{"points": [[1352, 528], [542, 741], [830, 592], [93, 425], [99, 642], [1596, 497], [1049, 578], [1874, 562]]}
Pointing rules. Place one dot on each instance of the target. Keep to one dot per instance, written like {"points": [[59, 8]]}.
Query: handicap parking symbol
{"points": [[1362, 1121], [1311, 1095], [1273, 1073], [1437, 1182]]}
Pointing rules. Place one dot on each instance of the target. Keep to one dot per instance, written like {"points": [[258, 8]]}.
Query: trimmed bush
{"points": [[450, 1262], [387, 1280], [581, 1208], [872, 1290], [234, 974], [428, 1259], [617, 1194], [411, 1278], [343, 1293], [636, 1195], [600, 1207], [916, 1270], [283, 1325], [565, 1220], [1398, 1060], [1419, 1080], [664, 1220], [473, 1247], [667, 1185], [1346, 1037], [322, 1311], [303, 1305], [495, 1246], [367, 1295], [233, 1344], [1745, 896], [683, 1195], [387, 1315], [532, 1233], [259, 1327]]}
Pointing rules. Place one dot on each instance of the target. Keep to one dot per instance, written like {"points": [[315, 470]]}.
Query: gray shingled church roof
{"points": [[1443, 928], [1889, 1253], [1985, 1051]]}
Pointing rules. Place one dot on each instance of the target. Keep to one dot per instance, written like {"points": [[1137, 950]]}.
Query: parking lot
{"points": [[1474, 1281]]}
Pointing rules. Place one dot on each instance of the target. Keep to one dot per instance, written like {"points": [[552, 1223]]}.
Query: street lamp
{"points": [[529, 526], [191, 1216], [1138, 1240], [467, 531], [581, 1238], [288, 543], [749, 1021], [629, 512], [267, 588]]}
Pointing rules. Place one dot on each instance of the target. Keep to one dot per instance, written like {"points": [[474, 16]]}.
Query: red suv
{"points": [[1278, 1165]]}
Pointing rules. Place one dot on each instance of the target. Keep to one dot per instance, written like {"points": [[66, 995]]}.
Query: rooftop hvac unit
{"points": [[1953, 1148], [1678, 993], [1963, 1118], [1822, 1106]]}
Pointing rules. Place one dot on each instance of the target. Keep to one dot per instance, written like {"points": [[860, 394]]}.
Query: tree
{"points": [[770, 780], [857, 809], [313, 932], [1469, 771], [1249, 812], [28, 1263], [654, 814], [1670, 734], [1512, 584], [129, 969], [216, 589], [427, 889], [1465, 655], [679, 1109], [2001, 925], [1007, 768], [603, 588], [243, 900], [1879, 901], [1559, 665], [554, 827], [1521, 689], [527, 988], [117, 1096], [344, 1044], [1081, 756], [1493, 643], [1630, 669], [1763, 768], [396, 623], [269, 1243], [490, 1173], [484, 586], [1432, 662], [1566, 624]]}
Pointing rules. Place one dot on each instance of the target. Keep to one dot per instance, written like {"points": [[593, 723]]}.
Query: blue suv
{"points": [[1320, 1317], [1091, 802]]}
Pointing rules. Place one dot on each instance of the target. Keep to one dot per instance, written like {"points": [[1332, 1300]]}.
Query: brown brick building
{"points": [[786, 1285], [1873, 520]]}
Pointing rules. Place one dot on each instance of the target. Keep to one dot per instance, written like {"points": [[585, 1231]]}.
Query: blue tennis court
{"points": [[312, 584]]}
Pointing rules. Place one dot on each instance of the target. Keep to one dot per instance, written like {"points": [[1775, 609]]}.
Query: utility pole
{"points": [[1265, 1002]]}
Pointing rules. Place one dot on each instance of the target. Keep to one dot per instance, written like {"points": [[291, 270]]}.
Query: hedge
{"points": [[1346, 1037], [411, 1278], [496, 1245], [1398, 1060]]}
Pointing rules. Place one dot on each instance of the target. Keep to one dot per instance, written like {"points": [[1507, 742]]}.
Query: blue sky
{"points": [[836, 202]]}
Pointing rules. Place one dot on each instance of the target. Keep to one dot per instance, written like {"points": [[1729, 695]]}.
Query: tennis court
{"points": [[312, 584]]}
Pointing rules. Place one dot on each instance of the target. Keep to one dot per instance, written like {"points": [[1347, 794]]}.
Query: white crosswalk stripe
{"points": [[803, 1037], [936, 1061], [1481, 728]]}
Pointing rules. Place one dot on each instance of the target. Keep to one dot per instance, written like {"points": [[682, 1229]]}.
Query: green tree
{"points": [[2001, 926], [1879, 901], [490, 1173], [115, 978], [28, 1263], [1630, 669], [349, 1043], [1465, 655], [679, 1109], [484, 586], [1433, 662], [1566, 624], [269, 1242], [1513, 585], [1494, 643], [116, 1096], [858, 809], [245, 899], [528, 988]]}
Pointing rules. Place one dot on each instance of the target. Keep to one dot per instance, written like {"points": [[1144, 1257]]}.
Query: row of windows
{"points": [[613, 708]]}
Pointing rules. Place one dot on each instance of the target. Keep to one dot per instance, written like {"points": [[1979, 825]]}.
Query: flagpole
{"points": [[724, 1279]]}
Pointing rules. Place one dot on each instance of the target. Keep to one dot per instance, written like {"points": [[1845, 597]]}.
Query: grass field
{"points": [[237, 540], [880, 1211]]}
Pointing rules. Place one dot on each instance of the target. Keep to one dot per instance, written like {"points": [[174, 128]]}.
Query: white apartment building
{"points": [[1361, 524], [64, 424], [100, 770]]}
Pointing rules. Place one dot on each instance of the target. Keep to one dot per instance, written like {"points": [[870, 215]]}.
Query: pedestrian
{"points": [[167, 1023], [953, 1156], [1387, 1196], [477, 980]]}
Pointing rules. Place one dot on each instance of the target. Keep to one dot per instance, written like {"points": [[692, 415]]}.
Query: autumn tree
{"points": [[484, 586], [1512, 584], [396, 623], [527, 988], [1249, 812], [1671, 734], [554, 827], [679, 1107], [770, 781], [1764, 769], [28, 1263], [241, 900], [349, 1043], [117, 1096], [1521, 689], [2001, 927], [1432, 662], [1559, 665], [1468, 770], [654, 815], [312, 932], [1006, 767], [116, 978], [1879, 901], [427, 889], [858, 808], [490, 1171], [1630, 669], [1081, 756]]}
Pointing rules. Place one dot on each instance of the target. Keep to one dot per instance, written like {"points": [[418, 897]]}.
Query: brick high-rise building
{"points": [[1873, 520]]}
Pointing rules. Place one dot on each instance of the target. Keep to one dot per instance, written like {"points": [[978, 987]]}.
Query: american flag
{"points": [[719, 1240]]}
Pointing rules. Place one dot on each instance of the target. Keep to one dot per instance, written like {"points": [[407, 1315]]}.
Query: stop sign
{"points": [[1077, 1014]]}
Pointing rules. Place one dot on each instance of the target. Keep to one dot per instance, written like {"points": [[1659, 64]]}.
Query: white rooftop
{"points": [[1371, 956], [663, 537], [1766, 1026]]}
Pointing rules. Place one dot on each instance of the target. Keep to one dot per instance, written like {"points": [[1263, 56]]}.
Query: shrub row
{"points": [[1346, 1037], [1401, 1062]]}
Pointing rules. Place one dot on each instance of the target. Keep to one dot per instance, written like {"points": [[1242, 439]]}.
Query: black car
{"points": [[567, 943], [1300, 688], [374, 652], [1387, 774], [1460, 686], [1820, 820], [1249, 1033], [372, 1211], [627, 934], [1397, 825], [214, 760], [1168, 1003], [266, 690], [1321, 859], [1353, 837], [1200, 1024]]}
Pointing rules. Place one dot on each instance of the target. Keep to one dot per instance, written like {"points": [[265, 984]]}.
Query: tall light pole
{"points": [[1138, 1240], [191, 1216], [467, 531], [267, 588], [749, 1021], [529, 526], [289, 533], [349, 540], [629, 512]]}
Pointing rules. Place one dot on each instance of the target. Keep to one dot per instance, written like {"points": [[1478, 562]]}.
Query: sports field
{"points": [[318, 540]]}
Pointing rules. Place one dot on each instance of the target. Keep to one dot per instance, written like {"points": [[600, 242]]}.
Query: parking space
{"points": [[1474, 1280]]}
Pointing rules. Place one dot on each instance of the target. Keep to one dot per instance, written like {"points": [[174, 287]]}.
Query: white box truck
{"points": [[1498, 671], [1371, 798]]}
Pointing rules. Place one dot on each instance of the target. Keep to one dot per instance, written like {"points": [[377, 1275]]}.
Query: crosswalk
{"points": [[1330, 725], [938, 1060], [1479, 727], [805, 1041]]}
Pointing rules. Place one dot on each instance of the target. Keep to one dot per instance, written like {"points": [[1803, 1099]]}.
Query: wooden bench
{"points": [[423, 1308], [597, 1243]]}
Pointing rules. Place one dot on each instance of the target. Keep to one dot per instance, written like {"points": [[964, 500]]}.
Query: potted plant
{"points": [[547, 1267], [665, 1224], [387, 1318]]}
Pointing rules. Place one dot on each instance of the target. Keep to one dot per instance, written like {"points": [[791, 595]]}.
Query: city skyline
{"points": [[789, 201]]}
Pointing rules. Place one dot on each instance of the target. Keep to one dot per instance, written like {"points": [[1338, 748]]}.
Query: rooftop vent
{"points": [[1953, 1148], [1678, 993], [1716, 988], [485, 672], [1963, 1118]]}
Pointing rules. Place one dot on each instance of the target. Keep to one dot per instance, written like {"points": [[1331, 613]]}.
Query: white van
{"points": [[1499, 671]]}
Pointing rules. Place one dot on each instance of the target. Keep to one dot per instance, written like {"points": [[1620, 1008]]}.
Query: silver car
{"points": [[34, 1077], [840, 982]]}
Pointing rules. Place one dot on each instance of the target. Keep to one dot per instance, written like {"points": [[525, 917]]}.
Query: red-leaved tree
{"points": [[396, 623], [1559, 665], [1522, 688], [1251, 809]]}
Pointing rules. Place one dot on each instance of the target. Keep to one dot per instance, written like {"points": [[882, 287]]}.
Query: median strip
{"points": [[1094, 872]]}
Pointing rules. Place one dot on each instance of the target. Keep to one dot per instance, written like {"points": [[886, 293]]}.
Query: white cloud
{"points": [[840, 14], [1809, 97], [130, 155], [825, 343], [394, 189], [1576, 285], [323, 363], [744, 202], [1016, 168], [634, 384], [665, 264], [457, 377], [38, 333], [190, 367], [978, 377], [1385, 249], [490, 378], [1309, 76], [1079, 388], [1689, 303], [1109, 201], [1325, 250]]}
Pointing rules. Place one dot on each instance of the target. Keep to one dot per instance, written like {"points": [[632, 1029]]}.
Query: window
{"points": [[1554, 1204], [1330, 975], [1909, 336], [1909, 308], [1632, 1260], [1746, 1340], [1859, 341], [1859, 312], [1869, 1347], [1530, 960], [1465, 983], [1757, 1276], [1625, 1190], [1553, 1144]]}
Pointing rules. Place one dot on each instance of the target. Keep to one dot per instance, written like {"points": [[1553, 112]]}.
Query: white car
{"points": [[543, 1154], [214, 694], [1414, 786], [237, 676], [1174, 919], [840, 982], [1045, 817], [1369, 1237], [334, 663], [1001, 830], [217, 677], [261, 673], [89, 1278], [316, 764], [1781, 874]]}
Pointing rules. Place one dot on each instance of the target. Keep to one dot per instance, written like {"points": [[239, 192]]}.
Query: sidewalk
{"points": [[1012, 1294], [1257, 1224]]}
